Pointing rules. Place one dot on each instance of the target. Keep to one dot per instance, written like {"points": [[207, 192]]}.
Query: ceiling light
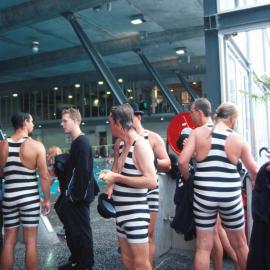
{"points": [[181, 50], [107, 122], [77, 85], [55, 88], [96, 102], [120, 80], [129, 90], [83, 123], [40, 126], [137, 19], [161, 118], [15, 95], [171, 90], [35, 47], [194, 83], [100, 82], [70, 96], [131, 97], [108, 92]]}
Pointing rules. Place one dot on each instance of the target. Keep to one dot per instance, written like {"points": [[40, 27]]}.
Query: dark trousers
{"points": [[76, 220]]}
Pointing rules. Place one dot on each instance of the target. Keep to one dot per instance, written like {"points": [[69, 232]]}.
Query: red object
{"points": [[178, 123]]}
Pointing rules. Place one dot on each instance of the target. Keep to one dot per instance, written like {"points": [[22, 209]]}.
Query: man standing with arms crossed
{"points": [[20, 156], [162, 163], [74, 209]]}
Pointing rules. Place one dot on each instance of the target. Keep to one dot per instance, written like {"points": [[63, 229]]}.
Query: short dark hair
{"points": [[123, 114], [18, 119], [204, 105]]}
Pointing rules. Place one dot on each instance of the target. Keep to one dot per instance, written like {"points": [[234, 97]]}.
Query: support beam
{"points": [[186, 85], [163, 87], [213, 84], [243, 19], [96, 58], [77, 53], [32, 12]]}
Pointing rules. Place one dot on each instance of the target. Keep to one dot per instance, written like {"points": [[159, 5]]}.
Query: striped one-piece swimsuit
{"points": [[217, 188], [132, 211], [21, 202], [152, 194]]}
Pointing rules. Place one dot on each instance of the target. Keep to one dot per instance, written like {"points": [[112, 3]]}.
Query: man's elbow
{"points": [[152, 184]]}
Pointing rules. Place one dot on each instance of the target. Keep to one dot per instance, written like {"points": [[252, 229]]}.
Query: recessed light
{"points": [[137, 19], [161, 118], [108, 92], [129, 90], [70, 96], [77, 85], [55, 88], [15, 95], [40, 126], [107, 122], [180, 51], [120, 80], [194, 83], [83, 123], [171, 90], [100, 82]]}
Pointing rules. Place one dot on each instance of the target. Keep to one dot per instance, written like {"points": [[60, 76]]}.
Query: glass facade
{"points": [[92, 99]]}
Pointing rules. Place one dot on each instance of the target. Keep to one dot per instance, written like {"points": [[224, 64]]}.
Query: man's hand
{"points": [[45, 207], [108, 177], [110, 191]]}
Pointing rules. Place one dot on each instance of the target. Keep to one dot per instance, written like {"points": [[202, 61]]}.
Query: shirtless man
{"points": [[217, 185], [20, 157], [200, 112], [163, 163], [134, 174]]}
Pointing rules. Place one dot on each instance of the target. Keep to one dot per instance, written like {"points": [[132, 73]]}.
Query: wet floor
{"points": [[105, 244]]}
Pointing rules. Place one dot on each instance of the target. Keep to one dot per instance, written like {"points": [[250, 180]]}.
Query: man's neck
{"points": [[140, 130], [206, 120], [130, 136], [75, 133], [20, 133]]}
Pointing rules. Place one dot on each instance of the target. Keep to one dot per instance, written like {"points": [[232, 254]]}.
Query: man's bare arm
{"points": [[143, 157], [159, 148], [249, 162], [186, 155], [43, 172]]}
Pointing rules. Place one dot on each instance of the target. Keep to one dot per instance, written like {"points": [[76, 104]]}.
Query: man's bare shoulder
{"points": [[155, 138], [142, 143], [35, 144]]}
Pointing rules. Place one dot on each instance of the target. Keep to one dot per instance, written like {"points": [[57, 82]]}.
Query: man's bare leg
{"points": [[140, 255], [10, 239], [31, 253], [238, 242], [151, 235], [204, 245], [217, 252], [126, 253]]}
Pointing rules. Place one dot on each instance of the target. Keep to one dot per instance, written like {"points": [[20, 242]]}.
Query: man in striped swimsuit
{"points": [[162, 163], [20, 156], [135, 174], [217, 185]]}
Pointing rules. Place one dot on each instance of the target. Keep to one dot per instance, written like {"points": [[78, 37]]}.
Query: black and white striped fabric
{"points": [[132, 211], [152, 194], [217, 189], [21, 203]]}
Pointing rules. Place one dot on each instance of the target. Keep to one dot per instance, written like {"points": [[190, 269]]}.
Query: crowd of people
{"points": [[132, 183]]}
